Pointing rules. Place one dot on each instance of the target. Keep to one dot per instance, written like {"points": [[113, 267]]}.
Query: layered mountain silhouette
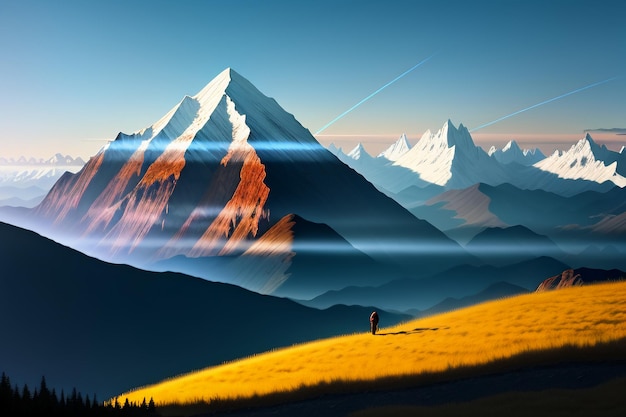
{"points": [[509, 245], [410, 295], [107, 328], [512, 153], [228, 173]]}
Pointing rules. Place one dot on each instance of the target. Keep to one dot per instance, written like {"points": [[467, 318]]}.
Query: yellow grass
{"points": [[474, 336]]}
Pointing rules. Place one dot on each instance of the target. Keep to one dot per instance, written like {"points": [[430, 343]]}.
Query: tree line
{"points": [[43, 401]]}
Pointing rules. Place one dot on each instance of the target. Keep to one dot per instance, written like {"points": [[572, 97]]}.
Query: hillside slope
{"points": [[104, 328], [474, 336]]}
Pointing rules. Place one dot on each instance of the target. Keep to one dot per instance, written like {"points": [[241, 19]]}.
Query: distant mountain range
{"points": [[511, 153], [450, 159], [58, 160], [575, 198], [25, 181], [457, 282]]}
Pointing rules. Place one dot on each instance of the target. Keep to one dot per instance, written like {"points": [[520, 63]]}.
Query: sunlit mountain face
{"points": [[232, 183]]}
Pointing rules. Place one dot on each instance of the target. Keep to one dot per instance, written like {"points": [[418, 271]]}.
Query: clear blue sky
{"points": [[75, 73]]}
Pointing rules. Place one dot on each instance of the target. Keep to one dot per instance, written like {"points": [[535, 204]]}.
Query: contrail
{"points": [[544, 102], [372, 95]]}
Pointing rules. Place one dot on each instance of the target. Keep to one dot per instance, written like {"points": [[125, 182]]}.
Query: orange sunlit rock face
{"points": [[66, 194], [277, 240], [239, 219], [101, 212], [567, 278], [147, 203]]}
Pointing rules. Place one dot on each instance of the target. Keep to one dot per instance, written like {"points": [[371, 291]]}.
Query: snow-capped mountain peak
{"points": [[395, 151], [450, 158], [585, 160], [359, 152], [511, 146], [512, 152]]}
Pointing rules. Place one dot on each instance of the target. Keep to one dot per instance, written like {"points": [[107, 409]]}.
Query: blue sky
{"points": [[75, 73]]}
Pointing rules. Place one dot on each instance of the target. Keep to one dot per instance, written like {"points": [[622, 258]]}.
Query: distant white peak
{"points": [[457, 136], [583, 146], [492, 150], [622, 150], [395, 151], [358, 152], [511, 146], [535, 152], [584, 160]]}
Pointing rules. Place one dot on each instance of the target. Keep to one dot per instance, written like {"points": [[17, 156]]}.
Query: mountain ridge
{"points": [[105, 326], [215, 174]]}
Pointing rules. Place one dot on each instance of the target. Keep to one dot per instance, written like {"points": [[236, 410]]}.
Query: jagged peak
{"points": [[511, 146], [358, 152], [397, 149]]}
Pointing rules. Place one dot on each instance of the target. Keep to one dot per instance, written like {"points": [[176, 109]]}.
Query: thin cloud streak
{"points": [[615, 130], [373, 94], [544, 102]]}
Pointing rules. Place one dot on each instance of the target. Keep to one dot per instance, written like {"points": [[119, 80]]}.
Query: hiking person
{"points": [[374, 322]]}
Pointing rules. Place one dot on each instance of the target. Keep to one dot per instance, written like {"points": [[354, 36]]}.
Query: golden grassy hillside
{"points": [[470, 337]]}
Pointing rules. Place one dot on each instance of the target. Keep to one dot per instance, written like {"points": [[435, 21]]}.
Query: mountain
{"points": [[359, 152], [466, 207], [316, 260], [29, 196], [575, 223], [397, 182], [106, 328], [228, 173], [450, 158], [580, 276], [586, 160], [396, 150], [509, 245], [458, 282], [19, 176], [512, 153], [57, 159]]}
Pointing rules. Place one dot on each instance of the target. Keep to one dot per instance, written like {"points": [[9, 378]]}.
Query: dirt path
{"points": [[570, 376]]}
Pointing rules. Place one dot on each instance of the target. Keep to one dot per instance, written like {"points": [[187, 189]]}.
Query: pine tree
{"points": [[6, 393], [62, 401], [44, 392], [26, 396], [72, 401], [54, 400]]}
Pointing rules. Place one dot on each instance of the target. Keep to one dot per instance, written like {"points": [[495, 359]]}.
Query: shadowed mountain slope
{"points": [[457, 282], [105, 328]]}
